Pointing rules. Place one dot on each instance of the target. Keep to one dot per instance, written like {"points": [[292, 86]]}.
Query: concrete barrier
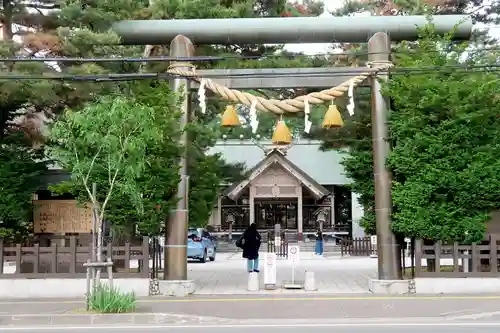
{"points": [[310, 282], [64, 288], [253, 281], [177, 288]]}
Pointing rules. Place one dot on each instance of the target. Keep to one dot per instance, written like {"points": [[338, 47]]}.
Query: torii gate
{"points": [[377, 30]]}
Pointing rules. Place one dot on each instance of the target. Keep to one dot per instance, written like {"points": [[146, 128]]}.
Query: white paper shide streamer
{"points": [[307, 111], [202, 98], [254, 122], [350, 94]]}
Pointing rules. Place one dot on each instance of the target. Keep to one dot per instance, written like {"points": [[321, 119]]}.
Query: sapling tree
{"points": [[111, 136]]}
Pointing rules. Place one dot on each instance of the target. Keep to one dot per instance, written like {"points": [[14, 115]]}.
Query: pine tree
{"points": [[71, 29]]}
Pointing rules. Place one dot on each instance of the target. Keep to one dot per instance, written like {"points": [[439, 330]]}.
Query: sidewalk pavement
{"points": [[333, 275], [303, 256]]}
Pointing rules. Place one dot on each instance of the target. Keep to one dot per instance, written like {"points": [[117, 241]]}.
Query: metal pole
{"points": [[379, 47], [175, 267], [278, 30]]}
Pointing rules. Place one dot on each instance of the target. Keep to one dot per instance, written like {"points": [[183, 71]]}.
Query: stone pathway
{"points": [[334, 274]]}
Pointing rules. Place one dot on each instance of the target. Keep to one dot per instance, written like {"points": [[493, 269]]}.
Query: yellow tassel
{"points": [[230, 117], [282, 135], [332, 118]]}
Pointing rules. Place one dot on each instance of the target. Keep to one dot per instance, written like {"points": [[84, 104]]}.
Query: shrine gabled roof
{"points": [[277, 157], [323, 166]]}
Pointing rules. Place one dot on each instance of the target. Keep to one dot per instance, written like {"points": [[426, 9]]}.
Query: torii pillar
{"points": [[176, 226], [388, 252]]}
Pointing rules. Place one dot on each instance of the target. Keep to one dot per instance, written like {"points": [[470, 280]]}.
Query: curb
{"points": [[79, 319], [165, 320]]}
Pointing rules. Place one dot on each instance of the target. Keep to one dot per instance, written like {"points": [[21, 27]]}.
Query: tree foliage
{"points": [[444, 136], [20, 168], [445, 131], [125, 146], [357, 134], [70, 28]]}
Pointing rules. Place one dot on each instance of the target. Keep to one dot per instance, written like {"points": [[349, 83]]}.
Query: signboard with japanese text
{"points": [[270, 268], [294, 254]]}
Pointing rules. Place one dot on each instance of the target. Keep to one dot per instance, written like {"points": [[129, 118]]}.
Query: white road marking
{"points": [[455, 312], [474, 315], [243, 326]]}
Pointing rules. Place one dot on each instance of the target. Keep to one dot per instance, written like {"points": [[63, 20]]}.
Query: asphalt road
{"points": [[319, 328], [343, 314], [288, 307]]}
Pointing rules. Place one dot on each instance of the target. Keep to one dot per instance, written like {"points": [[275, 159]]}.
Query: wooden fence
{"points": [[360, 246], [457, 260], [58, 261]]}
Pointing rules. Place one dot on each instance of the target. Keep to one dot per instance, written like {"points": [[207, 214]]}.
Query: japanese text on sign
{"points": [[293, 254]]}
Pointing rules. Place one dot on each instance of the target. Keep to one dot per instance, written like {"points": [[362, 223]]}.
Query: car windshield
{"points": [[192, 233]]}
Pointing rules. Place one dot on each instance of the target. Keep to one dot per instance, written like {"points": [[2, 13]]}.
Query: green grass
{"points": [[104, 299]]}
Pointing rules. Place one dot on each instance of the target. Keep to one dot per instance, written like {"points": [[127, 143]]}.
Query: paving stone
{"points": [[334, 274]]}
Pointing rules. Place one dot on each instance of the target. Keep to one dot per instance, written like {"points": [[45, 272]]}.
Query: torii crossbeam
{"points": [[274, 30]]}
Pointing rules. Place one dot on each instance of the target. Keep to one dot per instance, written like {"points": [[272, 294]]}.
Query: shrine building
{"points": [[297, 186]]}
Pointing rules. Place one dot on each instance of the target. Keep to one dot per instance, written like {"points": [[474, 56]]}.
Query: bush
{"points": [[106, 299]]}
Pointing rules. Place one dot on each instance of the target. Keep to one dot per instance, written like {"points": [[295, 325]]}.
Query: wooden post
{"points": [[72, 253], [437, 254], [110, 273], [109, 250], [418, 257], [456, 257], [88, 286], [53, 258], [36, 259], [127, 257], [493, 253], [474, 255], [18, 258], [145, 257]]}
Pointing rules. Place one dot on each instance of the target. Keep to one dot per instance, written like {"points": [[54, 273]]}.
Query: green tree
{"points": [[20, 171], [76, 30], [29, 30], [21, 160], [445, 130], [354, 142], [359, 164], [123, 140]]}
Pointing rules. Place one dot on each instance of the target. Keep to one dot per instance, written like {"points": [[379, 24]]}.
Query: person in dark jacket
{"points": [[251, 240], [319, 242]]}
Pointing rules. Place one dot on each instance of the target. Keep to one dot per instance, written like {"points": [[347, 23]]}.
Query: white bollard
{"points": [[253, 281], [310, 282]]}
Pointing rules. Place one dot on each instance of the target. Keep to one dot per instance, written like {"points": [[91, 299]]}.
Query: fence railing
{"points": [[360, 246], [457, 260], [57, 261]]}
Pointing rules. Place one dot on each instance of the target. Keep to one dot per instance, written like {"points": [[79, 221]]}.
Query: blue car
{"points": [[201, 245]]}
